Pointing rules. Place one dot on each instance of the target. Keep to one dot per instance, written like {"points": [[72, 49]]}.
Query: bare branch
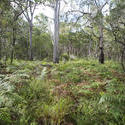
{"points": [[78, 11], [104, 5], [96, 4], [34, 7], [23, 9]]}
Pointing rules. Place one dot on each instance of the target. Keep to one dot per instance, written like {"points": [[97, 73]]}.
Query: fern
{"points": [[5, 117], [9, 99], [114, 99]]}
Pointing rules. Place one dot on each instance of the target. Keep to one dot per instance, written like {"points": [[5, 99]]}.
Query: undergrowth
{"points": [[80, 92]]}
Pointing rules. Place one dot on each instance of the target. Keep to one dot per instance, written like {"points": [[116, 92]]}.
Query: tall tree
{"points": [[100, 16], [5, 14], [92, 13], [55, 5], [97, 17], [28, 7], [56, 32], [16, 13], [117, 25]]}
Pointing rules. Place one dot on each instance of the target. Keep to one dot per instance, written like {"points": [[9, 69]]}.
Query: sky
{"points": [[47, 11]]}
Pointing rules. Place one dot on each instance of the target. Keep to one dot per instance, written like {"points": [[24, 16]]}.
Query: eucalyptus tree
{"points": [[92, 12], [55, 5], [56, 31], [117, 25], [17, 12], [29, 16], [5, 14], [97, 17], [28, 7]]}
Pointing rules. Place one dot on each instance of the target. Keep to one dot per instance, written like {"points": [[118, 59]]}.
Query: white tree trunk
{"points": [[56, 32]]}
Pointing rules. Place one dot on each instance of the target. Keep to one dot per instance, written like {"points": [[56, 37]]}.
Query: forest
{"points": [[62, 62]]}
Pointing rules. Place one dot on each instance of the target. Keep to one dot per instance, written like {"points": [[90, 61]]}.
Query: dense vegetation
{"points": [[71, 74], [79, 92]]}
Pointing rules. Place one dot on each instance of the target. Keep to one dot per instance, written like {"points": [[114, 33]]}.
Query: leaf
{"points": [[102, 99]]}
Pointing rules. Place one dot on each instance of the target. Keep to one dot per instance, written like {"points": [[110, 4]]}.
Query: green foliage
{"points": [[76, 92], [65, 57], [5, 117], [55, 112], [114, 100]]}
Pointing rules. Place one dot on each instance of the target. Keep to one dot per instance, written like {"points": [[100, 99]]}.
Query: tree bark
{"points": [[30, 39], [90, 45], [0, 49], [27, 45], [56, 32], [101, 55], [123, 59], [13, 44]]}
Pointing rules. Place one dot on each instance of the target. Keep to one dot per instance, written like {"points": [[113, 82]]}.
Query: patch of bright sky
{"points": [[49, 12], [65, 6]]}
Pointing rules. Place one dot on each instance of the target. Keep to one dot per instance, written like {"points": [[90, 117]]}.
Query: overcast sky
{"points": [[47, 11]]}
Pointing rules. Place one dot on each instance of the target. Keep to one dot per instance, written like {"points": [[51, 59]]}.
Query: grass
{"points": [[80, 92]]}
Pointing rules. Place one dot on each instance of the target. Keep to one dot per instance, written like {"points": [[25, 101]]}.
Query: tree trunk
{"points": [[123, 59], [27, 45], [56, 32], [30, 39], [0, 48], [101, 55], [90, 45], [13, 44]]}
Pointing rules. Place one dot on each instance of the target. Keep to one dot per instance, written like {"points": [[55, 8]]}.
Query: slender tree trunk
{"points": [[101, 55], [30, 39], [123, 59], [40, 53], [5, 54], [90, 45], [0, 48], [96, 50], [56, 32], [13, 44], [27, 44]]}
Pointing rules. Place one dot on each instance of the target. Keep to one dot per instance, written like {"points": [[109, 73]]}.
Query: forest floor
{"points": [[80, 92]]}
